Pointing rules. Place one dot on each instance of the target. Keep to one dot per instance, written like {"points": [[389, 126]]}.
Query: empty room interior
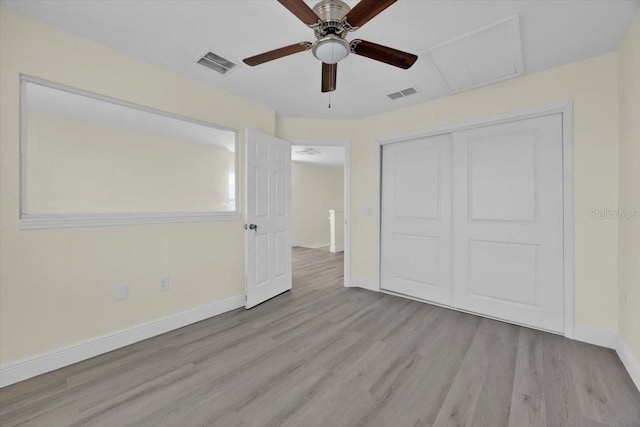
{"points": [[320, 213]]}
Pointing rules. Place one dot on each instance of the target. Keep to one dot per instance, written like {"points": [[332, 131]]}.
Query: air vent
{"points": [[402, 93], [216, 63], [308, 151], [409, 91]]}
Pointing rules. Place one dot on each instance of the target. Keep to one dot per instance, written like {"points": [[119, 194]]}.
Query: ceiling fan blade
{"points": [[365, 11], [301, 10], [384, 54], [329, 74], [277, 53]]}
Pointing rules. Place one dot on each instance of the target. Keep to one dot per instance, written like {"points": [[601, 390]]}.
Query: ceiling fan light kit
{"points": [[331, 49], [331, 21]]}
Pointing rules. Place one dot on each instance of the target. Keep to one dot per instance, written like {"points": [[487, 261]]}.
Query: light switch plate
{"points": [[122, 291]]}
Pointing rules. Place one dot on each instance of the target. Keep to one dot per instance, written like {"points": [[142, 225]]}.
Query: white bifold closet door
{"points": [[416, 218], [474, 220]]}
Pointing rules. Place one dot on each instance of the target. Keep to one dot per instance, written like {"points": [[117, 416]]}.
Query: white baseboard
{"points": [[360, 282], [629, 360], [14, 372], [594, 336], [336, 248], [295, 244], [11, 373]]}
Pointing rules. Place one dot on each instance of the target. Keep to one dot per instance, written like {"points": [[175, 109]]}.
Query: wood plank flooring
{"points": [[325, 355]]}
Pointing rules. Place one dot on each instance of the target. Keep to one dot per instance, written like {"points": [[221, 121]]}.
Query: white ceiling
{"points": [[326, 156], [173, 34]]}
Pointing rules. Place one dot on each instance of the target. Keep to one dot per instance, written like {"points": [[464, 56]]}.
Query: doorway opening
{"points": [[320, 214]]}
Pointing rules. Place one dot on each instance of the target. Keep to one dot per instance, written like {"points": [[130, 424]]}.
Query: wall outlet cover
{"points": [[163, 283]]}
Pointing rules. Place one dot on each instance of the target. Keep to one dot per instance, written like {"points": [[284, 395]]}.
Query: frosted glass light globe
{"points": [[331, 49]]}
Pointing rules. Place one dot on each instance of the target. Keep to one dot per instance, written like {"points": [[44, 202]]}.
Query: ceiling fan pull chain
{"points": [[329, 100]]}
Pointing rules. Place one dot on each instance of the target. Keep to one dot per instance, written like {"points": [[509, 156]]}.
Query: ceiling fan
{"points": [[331, 21]]}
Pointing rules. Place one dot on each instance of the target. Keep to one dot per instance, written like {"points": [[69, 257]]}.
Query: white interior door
{"points": [[416, 218], [268, 217], [508, 221]]}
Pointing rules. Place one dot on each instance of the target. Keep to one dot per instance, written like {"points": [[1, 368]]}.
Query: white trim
{"points": [[43, 221], [23, 146], [566, 109], [347, 212], [347, 195], [543, 110], [39, 222], [599, 337], [11, 373], [295, 243], [378, 219], [629, 360], [361, 282], [336, 248], [567, 207]]}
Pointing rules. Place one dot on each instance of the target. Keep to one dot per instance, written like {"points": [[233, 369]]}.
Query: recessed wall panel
{"points": [[261, 151], [417, 182], [281, 193], [503, 271], [262, 192], [416, 258], [502, 178], [281, 155], [280, 253], [262, 259]]}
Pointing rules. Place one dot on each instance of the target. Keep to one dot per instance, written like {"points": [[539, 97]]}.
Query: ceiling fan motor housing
{"points": [[331, 13], [331, 10]]}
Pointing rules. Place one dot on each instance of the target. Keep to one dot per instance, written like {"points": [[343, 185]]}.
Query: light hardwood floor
{"points": [[324, 355]]}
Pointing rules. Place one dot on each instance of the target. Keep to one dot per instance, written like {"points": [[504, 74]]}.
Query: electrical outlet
{"points": [[163, 283], [122, 291]]}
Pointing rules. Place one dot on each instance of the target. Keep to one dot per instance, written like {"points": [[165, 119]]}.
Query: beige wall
{"points": [[82, 167], [315, 190], [629, 191], [57, 286], [593, 87]]}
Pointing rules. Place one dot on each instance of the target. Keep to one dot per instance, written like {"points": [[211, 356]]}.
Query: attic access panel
{"points": [[488, 55]]}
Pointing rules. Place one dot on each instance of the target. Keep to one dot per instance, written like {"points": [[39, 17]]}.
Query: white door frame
{"points": [[566, 109], [347, 195]]}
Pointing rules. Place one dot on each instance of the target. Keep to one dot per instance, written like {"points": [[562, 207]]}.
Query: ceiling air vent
{"points": [[216, 63], [402, 93]]}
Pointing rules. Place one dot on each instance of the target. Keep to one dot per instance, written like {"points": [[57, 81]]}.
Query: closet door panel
{"points": [[508, 222], [416, 219]]}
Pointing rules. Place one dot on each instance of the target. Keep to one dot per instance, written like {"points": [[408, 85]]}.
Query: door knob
{"points": [[251, 227]]}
